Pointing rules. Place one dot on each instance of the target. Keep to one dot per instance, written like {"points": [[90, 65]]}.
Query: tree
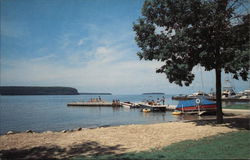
{"points": [[186, 33]]}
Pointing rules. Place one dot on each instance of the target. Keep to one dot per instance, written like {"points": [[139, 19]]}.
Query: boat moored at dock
{"points": [[130, 105], [199, 105], [236, 98], [157, 107], [228, 94], [176, 112]]}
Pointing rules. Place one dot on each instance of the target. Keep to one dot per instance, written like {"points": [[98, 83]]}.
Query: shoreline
{"points": [[81, 128], [103, 126], [228, 113], [114, 139]]}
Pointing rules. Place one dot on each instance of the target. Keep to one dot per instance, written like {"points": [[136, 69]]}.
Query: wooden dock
{"points": [[92, 104]]}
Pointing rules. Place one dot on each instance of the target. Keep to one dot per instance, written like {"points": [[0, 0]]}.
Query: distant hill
{"points": [[32, 90], [154, 93], [95, 93]]}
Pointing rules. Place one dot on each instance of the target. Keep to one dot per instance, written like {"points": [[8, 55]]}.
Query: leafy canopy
{"points": [[185, 33]]}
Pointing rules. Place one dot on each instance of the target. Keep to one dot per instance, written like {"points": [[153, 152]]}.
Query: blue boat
{"points": [[194, 105]]}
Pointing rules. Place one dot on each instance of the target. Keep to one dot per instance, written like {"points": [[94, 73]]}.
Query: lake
{"points": [[43, 113]]}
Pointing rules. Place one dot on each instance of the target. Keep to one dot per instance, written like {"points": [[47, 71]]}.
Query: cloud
{"points": [[96, 61], [131, 76], [81, 42], [42, 58], [105, 72]]}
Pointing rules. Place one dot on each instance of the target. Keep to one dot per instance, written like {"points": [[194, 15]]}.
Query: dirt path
{"points": [[120, 139]]}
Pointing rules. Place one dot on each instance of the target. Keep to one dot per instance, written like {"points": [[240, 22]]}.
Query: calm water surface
{"points": [[42, 113]]}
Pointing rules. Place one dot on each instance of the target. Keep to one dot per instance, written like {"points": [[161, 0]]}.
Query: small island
{"points": [[35, 90], [153, 93]]}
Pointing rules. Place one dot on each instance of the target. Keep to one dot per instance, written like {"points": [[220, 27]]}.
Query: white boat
{"points": [[244, 93], [130, 105], [126, 105], [198, 94], [228, 90]]}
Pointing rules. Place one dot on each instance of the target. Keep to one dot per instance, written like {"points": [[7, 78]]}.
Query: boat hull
{"points": [[197, 108], [176, 113]]}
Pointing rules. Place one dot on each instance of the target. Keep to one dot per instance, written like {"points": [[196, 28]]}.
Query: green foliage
{"points": [[185, 33], [234, 145]]}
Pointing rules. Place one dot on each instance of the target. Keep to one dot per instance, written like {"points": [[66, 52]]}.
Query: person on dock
{"points": [[163, 100], [158, 101]]}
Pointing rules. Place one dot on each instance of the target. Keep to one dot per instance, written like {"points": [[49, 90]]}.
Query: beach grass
{"points": [[238, 106], [233, 145]]}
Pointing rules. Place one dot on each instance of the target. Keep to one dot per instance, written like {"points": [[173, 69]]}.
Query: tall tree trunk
{"points": [[219, 114]]}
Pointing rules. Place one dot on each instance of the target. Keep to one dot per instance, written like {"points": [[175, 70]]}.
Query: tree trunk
{"points": [[219, 114]]}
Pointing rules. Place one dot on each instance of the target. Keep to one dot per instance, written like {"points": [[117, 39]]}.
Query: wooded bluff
{"points": [[33, 90]]}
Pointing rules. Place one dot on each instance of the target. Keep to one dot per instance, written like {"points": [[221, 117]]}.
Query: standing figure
{"points": [[163, 100], [158, 101]]}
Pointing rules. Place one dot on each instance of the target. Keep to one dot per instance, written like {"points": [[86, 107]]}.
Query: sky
{"points": [[85, 44]]}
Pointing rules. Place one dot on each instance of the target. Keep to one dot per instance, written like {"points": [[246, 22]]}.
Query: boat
{"points": [[176, 112], [246, 92], [191, 96], [127, 104], [228, 90], [130, 105], [146, 110], [196, 106], [199, 93], [228, 94], [154, 107]]}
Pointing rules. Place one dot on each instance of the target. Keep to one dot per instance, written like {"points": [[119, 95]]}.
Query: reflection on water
{"points": [[193, 117], [162, 116], [187, 117], [116, 109], [41, 113]]}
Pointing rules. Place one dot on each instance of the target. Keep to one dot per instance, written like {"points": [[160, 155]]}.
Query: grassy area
{"points": [[238, 106], [234, 145]]}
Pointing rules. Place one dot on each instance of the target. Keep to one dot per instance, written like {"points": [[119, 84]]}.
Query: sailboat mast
{"points": [[202, 84]]}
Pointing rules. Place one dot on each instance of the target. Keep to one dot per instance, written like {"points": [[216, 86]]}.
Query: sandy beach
{"points": [[112, 140]]}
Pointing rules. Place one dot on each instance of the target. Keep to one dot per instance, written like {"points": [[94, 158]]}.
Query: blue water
{"points": [[42, 113]]}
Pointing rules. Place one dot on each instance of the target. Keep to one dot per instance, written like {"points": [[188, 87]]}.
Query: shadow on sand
{"points": [[90, 148], [231, 122]]}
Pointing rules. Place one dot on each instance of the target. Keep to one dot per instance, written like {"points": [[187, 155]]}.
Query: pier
{"points": [[89, 104], [111, 104]]}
